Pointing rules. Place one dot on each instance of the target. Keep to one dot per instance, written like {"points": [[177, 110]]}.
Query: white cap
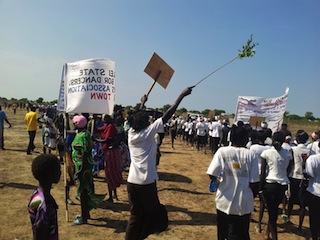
{"points": [[264, 125]]}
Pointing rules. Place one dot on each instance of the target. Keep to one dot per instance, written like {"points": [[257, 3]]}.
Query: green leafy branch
{"points": [[248, 50]]}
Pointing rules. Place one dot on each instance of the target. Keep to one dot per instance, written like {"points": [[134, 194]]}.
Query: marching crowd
{"points": [[277, 168]]}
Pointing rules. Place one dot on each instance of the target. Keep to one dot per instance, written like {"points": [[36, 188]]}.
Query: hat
{"points": [[264, 125], [79, 121]]}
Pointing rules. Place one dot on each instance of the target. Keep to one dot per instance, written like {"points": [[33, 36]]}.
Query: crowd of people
{"points": [[278, 168]]}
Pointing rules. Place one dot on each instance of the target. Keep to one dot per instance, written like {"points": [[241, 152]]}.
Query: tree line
{"points": [[308, 116]]}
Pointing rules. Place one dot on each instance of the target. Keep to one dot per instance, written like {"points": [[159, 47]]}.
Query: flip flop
{"points": [[78, 222]]}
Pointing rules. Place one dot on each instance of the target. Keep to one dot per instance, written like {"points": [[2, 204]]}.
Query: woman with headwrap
{"points": [[82, 158]]}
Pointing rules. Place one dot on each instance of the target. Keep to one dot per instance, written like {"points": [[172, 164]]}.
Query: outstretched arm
{"points": [[167, 115]]}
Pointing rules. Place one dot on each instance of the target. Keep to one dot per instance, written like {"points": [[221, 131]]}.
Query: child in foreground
{"points": [[42, 206]]}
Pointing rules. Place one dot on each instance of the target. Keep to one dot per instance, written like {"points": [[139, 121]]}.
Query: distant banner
{"points": [[61, 105], [272, 109], [88, 86]]}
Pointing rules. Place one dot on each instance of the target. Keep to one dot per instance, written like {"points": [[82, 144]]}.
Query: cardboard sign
{"points": [[255, 122], [159, 70]]}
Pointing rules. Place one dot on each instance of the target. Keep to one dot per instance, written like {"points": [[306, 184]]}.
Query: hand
{"points": [[144, 98], [10, 125], [187, 91]]}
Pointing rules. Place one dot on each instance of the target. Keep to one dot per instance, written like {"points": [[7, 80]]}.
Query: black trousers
{"points": [[32, 136], [233, 227], [313, 203], [214, 144], [147, 214], [273, 194]]}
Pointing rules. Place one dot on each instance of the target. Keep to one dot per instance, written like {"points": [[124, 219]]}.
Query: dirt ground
{"points": [[183, 189]]}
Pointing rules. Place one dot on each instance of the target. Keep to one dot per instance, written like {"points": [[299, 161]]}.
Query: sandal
{"points": [[79, 221], [70, 202]]}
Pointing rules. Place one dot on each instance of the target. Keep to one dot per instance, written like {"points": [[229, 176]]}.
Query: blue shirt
{"points": [[2, 118]]}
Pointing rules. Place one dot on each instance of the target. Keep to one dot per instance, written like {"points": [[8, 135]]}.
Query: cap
{"points": [[264, 125]]}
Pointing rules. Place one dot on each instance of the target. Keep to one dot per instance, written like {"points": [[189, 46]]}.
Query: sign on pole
{"points": [[88, 86], [159, 71]]}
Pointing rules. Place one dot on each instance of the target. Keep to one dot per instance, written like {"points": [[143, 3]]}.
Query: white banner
{"points": [[272, 109], [89, 86], [61, 105]]}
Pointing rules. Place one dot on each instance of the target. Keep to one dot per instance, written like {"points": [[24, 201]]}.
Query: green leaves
{"points": [[248, 49]]}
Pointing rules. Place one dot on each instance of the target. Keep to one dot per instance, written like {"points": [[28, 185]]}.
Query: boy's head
{"points": [[46, 168]]}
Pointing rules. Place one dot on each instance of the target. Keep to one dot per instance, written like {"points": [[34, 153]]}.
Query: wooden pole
{"points": [[154, 82]]}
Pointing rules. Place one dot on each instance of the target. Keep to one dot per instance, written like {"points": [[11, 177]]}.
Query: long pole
{"points": [[216, 70], [154, 82], [66, 118]]}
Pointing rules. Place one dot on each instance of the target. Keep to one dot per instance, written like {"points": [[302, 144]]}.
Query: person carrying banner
{"points": [[82, 158], [147, 215]]}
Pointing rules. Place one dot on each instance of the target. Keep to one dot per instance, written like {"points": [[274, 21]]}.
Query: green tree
{"points": [[219, 111], [294, 117], [182, 110], [165, 108], [205, 112], [39, 100], [286, 114], [309, 116]]}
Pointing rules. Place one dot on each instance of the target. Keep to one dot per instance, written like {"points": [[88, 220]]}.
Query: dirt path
{"points": [[183, 188]]}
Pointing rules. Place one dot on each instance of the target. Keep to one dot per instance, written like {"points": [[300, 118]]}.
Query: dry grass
{"points": [[183, 188]]}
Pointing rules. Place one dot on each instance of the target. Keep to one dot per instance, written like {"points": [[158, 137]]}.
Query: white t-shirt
{"points": [[186, 129], [143, 150], [215, 129], [190, 127], [258, 149], [201, 129], [277, 163], [300, 154], [313, 170], [239, 167], [286, 146], [314, 147]]}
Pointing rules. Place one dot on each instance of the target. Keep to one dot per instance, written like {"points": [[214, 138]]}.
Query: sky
{"points": [[194, 37]]}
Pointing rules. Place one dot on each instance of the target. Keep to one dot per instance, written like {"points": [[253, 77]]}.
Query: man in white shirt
{"points": [[202, 134], [215, 134], [237, 168]]}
